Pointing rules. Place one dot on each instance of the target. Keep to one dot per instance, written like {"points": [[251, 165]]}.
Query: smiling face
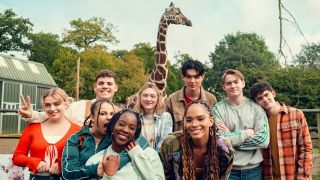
{"points": [[101, 118], [124, 130], [192, 80], [54, 107], [149, 99], [105, 87], [198, 122], [266, 100], [233, 86]]}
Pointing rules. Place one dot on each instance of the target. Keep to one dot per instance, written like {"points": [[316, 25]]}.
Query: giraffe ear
{"points": [[171, 4]]}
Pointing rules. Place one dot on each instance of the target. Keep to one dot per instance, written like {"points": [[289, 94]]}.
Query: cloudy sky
{"points": [[137, 20]]}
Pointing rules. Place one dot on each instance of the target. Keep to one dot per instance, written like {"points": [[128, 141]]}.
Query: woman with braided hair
{"points": [[197, 152]]}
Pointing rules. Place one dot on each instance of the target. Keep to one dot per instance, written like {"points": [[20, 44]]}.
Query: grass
{"points": [[316, 150]]}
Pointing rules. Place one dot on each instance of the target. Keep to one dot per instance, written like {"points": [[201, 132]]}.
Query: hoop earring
{"points": [[211, 131]]}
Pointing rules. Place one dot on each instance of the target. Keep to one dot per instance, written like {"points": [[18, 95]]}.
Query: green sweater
{"points": [[248, 115]]}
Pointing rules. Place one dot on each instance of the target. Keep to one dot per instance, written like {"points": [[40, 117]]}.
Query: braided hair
{"points": [[115, 118], [96, 105], [212, 162]]}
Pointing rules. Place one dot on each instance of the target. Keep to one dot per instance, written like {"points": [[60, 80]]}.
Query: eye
{"points": [[102, 113], [188, 120]]}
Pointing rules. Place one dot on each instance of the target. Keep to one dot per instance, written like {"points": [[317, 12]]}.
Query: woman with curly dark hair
{"points": [[197, 152]]}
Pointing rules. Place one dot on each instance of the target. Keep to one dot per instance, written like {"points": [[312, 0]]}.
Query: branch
{"points": [[295, 22]]}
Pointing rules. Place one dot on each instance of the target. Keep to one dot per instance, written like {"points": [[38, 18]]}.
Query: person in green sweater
{"points": [[91, 139], [245, 123], [125, 128]]}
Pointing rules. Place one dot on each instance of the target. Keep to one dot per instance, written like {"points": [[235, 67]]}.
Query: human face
{"points": [[105, 87], [124, 130], [149, 99], [192, 80], [233, 86], [266, 100], [100, 119], [54, 107], [198, 122]]}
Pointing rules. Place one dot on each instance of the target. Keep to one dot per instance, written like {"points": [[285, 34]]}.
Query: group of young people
{"points": [[187, 136]]}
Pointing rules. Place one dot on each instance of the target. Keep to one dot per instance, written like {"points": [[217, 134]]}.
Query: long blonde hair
{"points": [[160, 102]]}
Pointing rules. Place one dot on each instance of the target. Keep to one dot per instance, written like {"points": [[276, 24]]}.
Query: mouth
{"points": [[123, 137], [195, 131]]}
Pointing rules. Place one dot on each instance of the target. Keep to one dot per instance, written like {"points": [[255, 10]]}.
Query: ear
{"points": [[171, 4], [94, 87], [211, 120], [273, 94], [116, 88], [91, 117], [244, 83]]}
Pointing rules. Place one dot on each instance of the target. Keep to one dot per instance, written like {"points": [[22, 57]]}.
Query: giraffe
{"points": [[159, 74]]}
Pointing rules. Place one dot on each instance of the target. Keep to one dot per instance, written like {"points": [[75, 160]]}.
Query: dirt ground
{"points": [[7, 146]]}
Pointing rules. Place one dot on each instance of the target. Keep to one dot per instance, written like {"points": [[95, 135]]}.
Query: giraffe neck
{"points": [[160, 72]]}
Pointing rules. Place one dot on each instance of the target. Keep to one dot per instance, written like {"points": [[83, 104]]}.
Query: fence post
{"points": [[318, 124]]}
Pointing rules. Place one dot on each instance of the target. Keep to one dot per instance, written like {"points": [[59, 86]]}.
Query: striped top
{"points": [[248, 115]]}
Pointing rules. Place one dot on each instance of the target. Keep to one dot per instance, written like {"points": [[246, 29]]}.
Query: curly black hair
{"points": [[115, 118]]}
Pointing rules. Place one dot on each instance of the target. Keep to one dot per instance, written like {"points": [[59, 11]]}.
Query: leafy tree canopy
{"points": [[247, 50], [44, 48], [13, 31], [309, 56], [88, 33]]}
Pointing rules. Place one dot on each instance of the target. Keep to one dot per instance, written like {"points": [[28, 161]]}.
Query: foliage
{"points": [[147, 53], [44, 48], [13, 31], [86, 34], [309, 56], [131, 75], [246, 50]]}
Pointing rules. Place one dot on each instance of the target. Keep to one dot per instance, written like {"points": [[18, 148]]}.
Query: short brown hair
{"points": [[232, 72], [106, 73], [160, 103]]}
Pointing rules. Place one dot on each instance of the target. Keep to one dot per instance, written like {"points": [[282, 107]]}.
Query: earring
{"points": [[211, 131]]}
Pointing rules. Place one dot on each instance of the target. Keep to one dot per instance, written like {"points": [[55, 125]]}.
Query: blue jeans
{"points": [[246, 174]]}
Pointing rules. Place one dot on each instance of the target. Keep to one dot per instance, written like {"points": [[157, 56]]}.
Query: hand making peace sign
{"points": [[25, 109]]}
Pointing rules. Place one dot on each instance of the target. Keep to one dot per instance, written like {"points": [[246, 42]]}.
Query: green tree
{"points": [[147, 53], [309, 56], [44, 48], [91, 62], [87, 34], [131, 75], [13, 31], [245, 50]]}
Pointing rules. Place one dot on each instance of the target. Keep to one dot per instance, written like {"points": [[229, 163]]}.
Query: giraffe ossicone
{"points": [[159, 74]]}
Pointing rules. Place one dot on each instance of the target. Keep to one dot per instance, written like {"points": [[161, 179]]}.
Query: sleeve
{"points": [[304, 148], [260, 139], [124, 158], [168, 105], [147, 163], [166, 128], [71, 167], [236, 137], [37, 117], [20, 156], [166, 155], [225, 156]]}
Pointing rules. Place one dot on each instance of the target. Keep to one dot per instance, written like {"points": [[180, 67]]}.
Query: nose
{"points": [[52, 107], [126, 129], [194, 123]]}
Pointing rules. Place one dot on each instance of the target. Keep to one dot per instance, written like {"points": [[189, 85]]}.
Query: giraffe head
{"points": [[173, 15]]}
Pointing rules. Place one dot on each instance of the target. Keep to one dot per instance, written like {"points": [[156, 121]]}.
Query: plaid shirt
{"points": [[294, 144]]}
